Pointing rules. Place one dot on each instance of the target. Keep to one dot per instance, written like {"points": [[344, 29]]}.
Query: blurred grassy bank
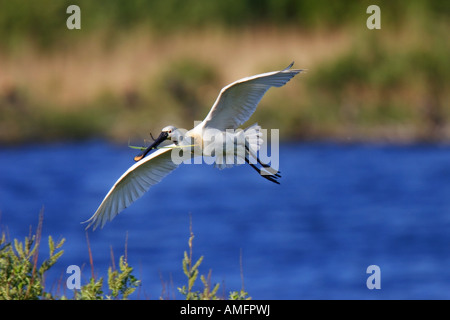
{"points": [[137, 66]]}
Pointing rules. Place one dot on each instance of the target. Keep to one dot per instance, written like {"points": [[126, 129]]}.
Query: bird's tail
{"points": [[243, 147], [253, 138], [237, 146], [253, 144]]}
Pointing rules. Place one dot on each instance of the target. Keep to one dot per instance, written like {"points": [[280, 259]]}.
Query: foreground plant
{"points": [[121, 284], [22, 278], [191, 272]]}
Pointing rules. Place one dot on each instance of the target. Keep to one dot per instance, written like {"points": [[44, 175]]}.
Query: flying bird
{"points": [[217, 137]]}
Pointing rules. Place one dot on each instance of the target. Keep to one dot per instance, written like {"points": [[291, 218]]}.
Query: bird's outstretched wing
{"points": [[237, 101], [133, 184]]}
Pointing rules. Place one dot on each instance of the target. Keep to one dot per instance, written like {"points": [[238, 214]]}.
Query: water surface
{"points": [[338, 210]]}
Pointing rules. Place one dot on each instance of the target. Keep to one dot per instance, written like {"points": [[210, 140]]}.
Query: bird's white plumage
{"points": [[133, 184], [234, 106], [238, 101]]}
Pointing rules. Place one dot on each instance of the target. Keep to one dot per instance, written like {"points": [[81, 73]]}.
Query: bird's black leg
{"points": [[265, 176], [268, 166]]}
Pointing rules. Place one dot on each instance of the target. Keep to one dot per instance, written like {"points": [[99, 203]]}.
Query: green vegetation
{"points": [[21, 278], [137, 66], [121, 284], [208, 293], [40, 21], [373, 87]]}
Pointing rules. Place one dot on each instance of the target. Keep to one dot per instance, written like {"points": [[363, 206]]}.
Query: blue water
{"points": [[338, 210]]}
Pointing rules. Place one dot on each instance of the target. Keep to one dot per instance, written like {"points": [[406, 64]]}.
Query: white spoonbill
{"points": [[234, 106]]}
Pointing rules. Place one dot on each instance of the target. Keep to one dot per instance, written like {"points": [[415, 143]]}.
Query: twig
{"points": [[242, 270], [112, 258], [91, 261], [36, 248]]}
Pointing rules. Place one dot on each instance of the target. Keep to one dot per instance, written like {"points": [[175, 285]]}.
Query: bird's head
{"points": [[173, 134], [169, 130], [167, 133]]}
